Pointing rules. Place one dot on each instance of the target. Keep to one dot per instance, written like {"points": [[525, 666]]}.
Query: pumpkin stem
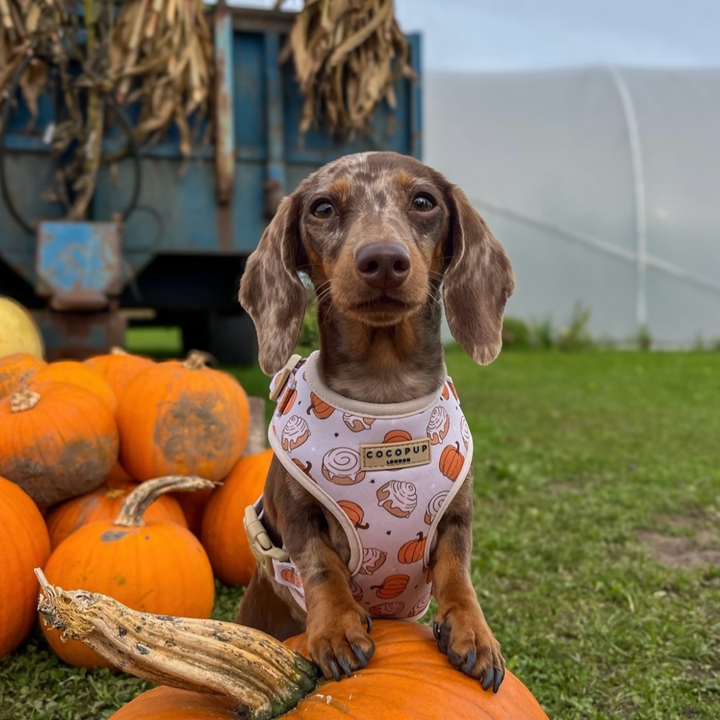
{"points": [[117, 351], [139, 500], [197, 360], [264, 677], [23, 400]]}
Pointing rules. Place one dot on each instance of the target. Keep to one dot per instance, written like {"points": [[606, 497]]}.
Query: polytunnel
{"points": [[603, 184]]}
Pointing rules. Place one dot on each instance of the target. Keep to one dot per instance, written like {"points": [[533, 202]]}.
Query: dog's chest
{"points": [[387, 473]]}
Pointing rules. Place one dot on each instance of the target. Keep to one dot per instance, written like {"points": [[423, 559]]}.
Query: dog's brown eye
{"points": [[423, 203], [323, 210]]}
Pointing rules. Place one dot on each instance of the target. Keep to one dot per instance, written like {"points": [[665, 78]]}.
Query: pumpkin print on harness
{"points": [[451, 462], [319, 408], [392, 586], [355, 513], [182, 418], [57, 441]]}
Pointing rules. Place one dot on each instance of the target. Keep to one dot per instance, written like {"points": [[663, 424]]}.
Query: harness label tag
{"points": [[393, 456]]}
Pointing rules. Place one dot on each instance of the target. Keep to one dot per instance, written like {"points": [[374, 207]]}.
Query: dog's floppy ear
{"points": [[271, 290], [478, 281]]}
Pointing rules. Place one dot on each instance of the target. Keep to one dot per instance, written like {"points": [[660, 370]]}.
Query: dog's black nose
{"points": [[383, 266]]}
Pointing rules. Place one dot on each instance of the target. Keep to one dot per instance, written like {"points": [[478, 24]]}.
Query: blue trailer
{"points": [[167, 235]]}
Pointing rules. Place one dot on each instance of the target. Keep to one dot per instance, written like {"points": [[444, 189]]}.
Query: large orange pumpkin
{"points": [[16, 369], [156, 566], [104, 504], [118, 368], [24, 545], [407, 679], [57, 441], [182, 418], [223, 535], [77, 373]]}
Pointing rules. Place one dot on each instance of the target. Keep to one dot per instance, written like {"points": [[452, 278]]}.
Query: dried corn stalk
{"points": [[161, 56], [156, 53], [348, 54]]}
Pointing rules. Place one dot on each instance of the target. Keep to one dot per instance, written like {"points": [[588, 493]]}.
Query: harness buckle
{"points": [[260, 543], [284, 375]]}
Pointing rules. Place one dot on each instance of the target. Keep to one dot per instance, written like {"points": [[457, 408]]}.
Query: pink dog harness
{"points": [[386, 472]]}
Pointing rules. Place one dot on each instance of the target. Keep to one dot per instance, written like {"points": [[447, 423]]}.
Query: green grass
{"points": [[578, 458]]}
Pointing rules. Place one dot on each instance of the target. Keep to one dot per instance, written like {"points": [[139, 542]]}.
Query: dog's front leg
{"points": [[460, 626], [337, 627]]}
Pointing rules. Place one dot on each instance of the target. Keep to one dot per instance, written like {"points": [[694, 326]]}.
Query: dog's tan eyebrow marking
{"points": [[340, 188], [404, 180]]}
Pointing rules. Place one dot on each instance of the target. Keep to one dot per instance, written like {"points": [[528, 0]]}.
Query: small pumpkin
{"points": [[57, 441], [319, 407], [289, 575], [18, 331], [24, 545], [154, 566], [355, 513], [288, 401], [451, 462], [229, 671], [104, 504], [17, 369], [182, 418], [396, 436], [117, 477], [222, 532], [413, 551], [391, 587], [77, 373], [118, 368]]}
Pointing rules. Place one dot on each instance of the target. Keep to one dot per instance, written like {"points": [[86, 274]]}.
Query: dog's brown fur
{"points": [[377, 346]]}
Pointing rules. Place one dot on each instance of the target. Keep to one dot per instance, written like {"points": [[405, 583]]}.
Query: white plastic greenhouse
{"points": [[603, 184]]}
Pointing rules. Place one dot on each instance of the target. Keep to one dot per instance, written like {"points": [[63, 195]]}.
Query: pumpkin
{"points": [[288, 401], [355, 513], [117, 477], [228, 671], [18, 331], [118, 368], [222, 532], [57, 441], [182, 418], [77, 373], [16, 369], [391, 586], [193, 507], [319, 407], [413, 550], [396, 436], [24, 544], [154, 566], [104, 504], [451, 462]]}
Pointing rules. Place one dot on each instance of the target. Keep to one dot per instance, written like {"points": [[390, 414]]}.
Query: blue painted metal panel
{"points": [[179, 212], [77, 256]]}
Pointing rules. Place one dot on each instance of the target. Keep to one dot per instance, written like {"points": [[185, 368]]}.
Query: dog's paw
{"points": [[340, 643], [464, 636]]}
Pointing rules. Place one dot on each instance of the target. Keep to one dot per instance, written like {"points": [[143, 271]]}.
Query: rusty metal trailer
{"points": [[166, 234]]}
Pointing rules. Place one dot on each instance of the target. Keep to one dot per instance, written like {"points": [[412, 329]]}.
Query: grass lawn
{"points": [[597, 549]]}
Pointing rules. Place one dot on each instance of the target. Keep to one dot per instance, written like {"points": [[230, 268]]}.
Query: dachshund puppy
{"points": [[383, 238]]}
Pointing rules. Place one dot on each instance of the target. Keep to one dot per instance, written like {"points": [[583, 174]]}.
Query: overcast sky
{"points": [[471, 35]]}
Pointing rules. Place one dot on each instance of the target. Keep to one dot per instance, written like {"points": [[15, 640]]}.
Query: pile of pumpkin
{"points": [[125, 480], [122, 476]]}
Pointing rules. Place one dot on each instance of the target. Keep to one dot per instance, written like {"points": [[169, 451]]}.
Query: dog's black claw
{"points": [[499, 677], [360, 655], [369, 623], [444, 639], [469, 663], [334, 670], [345, 665], [436, 630], [488, 679]]}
